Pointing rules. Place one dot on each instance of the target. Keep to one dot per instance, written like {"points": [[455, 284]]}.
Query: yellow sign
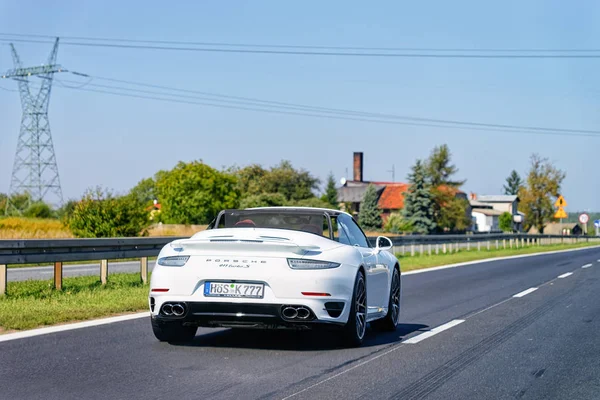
{"points": [[560, 202], [560, 213]]}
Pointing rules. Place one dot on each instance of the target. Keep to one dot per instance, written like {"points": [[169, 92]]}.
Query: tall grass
{"points": [[32, 228]]}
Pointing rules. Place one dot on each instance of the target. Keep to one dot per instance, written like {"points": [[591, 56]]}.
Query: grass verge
{"points": [[84, 298], [32, 304], [410, 263]]}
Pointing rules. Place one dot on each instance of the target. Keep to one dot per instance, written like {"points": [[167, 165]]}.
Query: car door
{"points": [[376, 271]]}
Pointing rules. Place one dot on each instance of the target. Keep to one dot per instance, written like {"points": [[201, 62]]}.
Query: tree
{"points": [[330, 195], [369, 215], [450, 212], [537, 196], [100, 214], [293, 184], [505, 222], [145, 191], [513, 183], [249, 179], [283, 178], [193, 193], [418, 208], [440, 169], [454, 216]]}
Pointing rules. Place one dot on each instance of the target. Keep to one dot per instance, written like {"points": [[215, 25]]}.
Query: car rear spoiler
{"points": [[252, 245]]}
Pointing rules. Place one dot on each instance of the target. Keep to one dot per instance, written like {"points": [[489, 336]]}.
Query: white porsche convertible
{"points": [[276, 267]]}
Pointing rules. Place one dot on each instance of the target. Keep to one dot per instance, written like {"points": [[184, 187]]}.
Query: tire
{"points": [[389, 323], [355, 329], [173, 331]]}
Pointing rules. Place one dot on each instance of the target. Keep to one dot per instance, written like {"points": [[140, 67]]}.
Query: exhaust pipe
{"points": [[302, 313], [167, 309], [289, 312], [178, 310]]}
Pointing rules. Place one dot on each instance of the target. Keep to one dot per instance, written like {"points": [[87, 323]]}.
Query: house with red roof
{"points": [[390, 194]]}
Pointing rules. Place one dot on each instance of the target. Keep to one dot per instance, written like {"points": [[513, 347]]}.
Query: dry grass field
{"points": [[32, 228]]}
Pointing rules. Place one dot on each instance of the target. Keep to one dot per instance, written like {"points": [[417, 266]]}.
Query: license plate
{"points": [[234, 289]]}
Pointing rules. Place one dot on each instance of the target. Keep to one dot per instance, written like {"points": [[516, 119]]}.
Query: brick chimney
{"points": [[358, 166]]}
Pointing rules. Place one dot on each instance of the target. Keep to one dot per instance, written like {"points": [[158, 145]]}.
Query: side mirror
{"points": [[383, 243]]}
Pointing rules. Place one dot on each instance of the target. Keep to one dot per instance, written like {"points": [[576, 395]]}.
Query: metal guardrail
{"points": [[58, 251]]}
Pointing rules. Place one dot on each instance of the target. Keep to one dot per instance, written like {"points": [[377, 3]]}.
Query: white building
{"points": [[486, 210], [486, 219]]}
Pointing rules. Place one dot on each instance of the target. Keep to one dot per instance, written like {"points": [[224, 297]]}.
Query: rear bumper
{"points": [[249, 315]]}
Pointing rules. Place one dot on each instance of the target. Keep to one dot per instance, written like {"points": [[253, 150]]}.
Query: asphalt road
{"points": [[544, 344], [47, 272]]}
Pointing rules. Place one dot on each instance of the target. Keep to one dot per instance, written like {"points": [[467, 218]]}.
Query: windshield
{"points": [[312, 222]]}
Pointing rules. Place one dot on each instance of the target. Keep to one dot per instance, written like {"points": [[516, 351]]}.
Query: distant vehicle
{"points": [[276, 267]]}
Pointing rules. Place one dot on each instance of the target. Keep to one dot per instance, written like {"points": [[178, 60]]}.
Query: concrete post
{"points": [[144, 269], [444, 248], [429, 249], [58, 275], [421, 248], [478, 246], [103, 271], [437, 248], [497, 244], [3, 279]]}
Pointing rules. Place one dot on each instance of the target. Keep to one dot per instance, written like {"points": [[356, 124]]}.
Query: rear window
{"points": [[316, 223]]}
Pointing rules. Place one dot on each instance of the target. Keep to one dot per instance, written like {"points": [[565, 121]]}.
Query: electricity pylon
{"points": [[34, 170]]}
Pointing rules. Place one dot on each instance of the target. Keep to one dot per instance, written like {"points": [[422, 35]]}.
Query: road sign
{"points": [[560, 213], [560, 202], [597, 223], [584, 218]]}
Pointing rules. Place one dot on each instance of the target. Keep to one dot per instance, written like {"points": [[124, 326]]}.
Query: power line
{"points": [[266, 109], [321, 47], [314, 53], [345, 111]]}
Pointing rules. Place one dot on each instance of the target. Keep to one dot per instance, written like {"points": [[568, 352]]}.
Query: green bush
{"points": [[311, 202], [505, 222], [396, 223], [100, 214], [39, 210], [263, 200]]}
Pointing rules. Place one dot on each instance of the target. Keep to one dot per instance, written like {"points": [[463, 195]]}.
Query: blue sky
{"points": [[114, 141]]}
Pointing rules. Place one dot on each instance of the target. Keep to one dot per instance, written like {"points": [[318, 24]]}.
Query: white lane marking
{"points": [[346, 371], [420, 271], [526, 292], [434, 331], [587, 265], [78, 325], [565, 275]]}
